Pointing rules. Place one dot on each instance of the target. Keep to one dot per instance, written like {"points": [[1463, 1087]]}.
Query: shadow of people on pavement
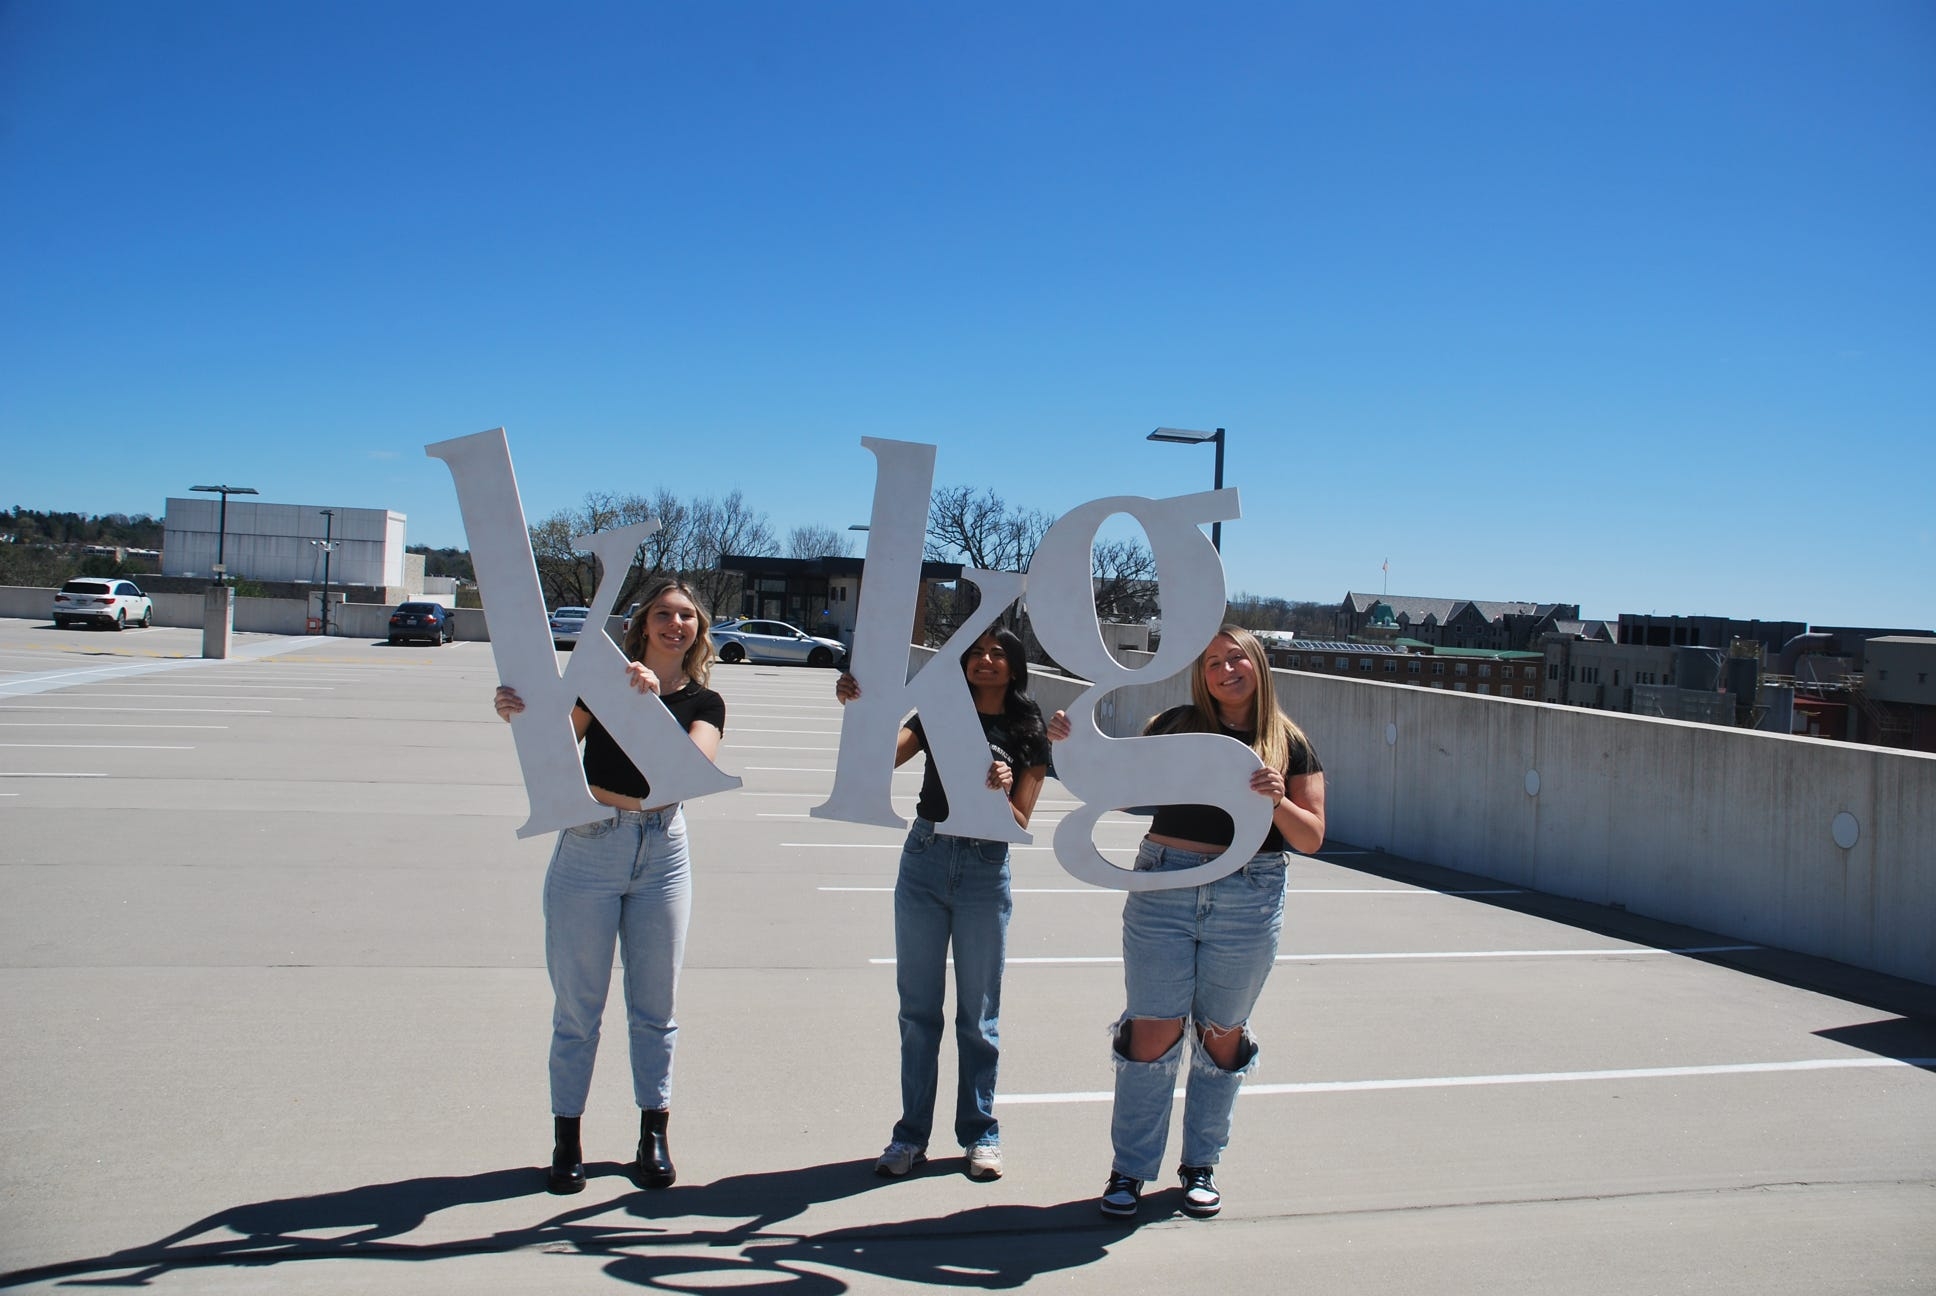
{"points": [[640, 1232]]}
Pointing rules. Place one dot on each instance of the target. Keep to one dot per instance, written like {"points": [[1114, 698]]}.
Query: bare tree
{"points": [[664, 549], [566, 575], [720, 527], [982, 530], [817, 542], [570, 577], [1269, 612], [970, 528], [1124, 572]]}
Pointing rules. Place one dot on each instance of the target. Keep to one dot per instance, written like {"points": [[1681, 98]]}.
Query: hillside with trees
{"points": [[48, 549]]}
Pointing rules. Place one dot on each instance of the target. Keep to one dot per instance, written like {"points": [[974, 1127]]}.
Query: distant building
{"points": [[1494, 672], [1451, 623], [1897, 701], [820, 595], [270, 543], [1703, 631], [1600, 675]]}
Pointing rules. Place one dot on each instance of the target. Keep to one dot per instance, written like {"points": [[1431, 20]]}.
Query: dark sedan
{"points": [[431, 621]]}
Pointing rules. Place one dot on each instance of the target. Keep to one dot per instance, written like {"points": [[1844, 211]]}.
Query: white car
{"points": [[103, 600], [567, 623], [774, 641]]}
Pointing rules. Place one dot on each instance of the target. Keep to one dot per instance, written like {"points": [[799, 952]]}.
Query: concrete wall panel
{"points": [[1727, 829]]}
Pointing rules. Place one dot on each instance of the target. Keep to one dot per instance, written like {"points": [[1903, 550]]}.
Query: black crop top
{"points": [[606, 764], [1208, 824], [1006, 743]]}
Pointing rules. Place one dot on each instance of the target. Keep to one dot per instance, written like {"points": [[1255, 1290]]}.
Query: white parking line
{"points": [[120, 710], [44, 774], [185, 697], [1520, 1078], [1606, 952], [1097, 890], [93, 724], [96, 747], [895, 845], [224, 687]]}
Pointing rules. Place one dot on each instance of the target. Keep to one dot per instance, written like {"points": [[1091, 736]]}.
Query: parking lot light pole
{"points": [[1189, 436], [329, 523], [222, 526]]}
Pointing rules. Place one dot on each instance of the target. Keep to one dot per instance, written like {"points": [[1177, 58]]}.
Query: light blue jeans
{"points": [[627, 881], [950, 888], [1199, 955]]}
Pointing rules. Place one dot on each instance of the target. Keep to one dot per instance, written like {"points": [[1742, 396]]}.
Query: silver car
{"points": [[774, 641], [567, 623], [103, 601]]}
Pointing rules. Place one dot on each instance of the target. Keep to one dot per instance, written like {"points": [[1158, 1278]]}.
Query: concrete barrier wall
{"points": [[1727, 829], [27, 602], [253, 615]]}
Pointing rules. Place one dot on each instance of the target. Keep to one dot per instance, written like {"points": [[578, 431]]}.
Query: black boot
{"points": [[654, 1169], [567, 1173]]}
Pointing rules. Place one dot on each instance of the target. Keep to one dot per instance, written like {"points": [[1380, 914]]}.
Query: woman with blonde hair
{"points": [[1198, 956], [627, 881]]}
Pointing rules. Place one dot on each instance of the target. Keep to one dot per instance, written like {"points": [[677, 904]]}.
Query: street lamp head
{"points": [[227, 490], [1191, 436]]}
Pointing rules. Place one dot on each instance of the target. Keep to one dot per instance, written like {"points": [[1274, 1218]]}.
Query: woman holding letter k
{"points": [[955, 890], [626, 880], [1198, 956]]}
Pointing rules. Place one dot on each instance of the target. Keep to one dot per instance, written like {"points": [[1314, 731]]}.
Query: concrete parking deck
{"points": [[275, 1014]]}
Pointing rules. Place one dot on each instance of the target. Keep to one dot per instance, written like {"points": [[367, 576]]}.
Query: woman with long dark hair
{"points": [[627, 881], [954, 890], [1199, 956]]}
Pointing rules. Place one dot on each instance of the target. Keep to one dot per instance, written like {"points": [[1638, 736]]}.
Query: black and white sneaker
{"points": [[1200, 1196], [1120, 1196]]}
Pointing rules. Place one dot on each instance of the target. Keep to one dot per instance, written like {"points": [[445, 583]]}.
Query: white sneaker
{"points": [[898, 1158], [985, 1161]]}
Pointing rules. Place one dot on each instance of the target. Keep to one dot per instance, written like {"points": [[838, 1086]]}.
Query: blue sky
{"points": [[1631, 305]]}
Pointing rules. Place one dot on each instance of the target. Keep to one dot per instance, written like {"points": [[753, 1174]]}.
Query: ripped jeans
{"points": [[1199, 955]]}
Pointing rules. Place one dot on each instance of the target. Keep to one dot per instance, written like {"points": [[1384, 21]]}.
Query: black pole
{"points": [[1216, 528], [222, 524], [329, 524]]}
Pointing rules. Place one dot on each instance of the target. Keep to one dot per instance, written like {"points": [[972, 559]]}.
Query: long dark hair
{"points": [[1024, 717]]}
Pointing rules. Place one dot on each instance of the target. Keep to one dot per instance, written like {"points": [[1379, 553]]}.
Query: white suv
{"points": [[104, 600]]}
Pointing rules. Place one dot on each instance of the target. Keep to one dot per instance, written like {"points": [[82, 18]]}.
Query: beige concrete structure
{"points": [[1728, 829]]}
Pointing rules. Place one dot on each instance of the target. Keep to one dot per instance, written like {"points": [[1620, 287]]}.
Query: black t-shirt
{"points": [[1006, 742], [606, 764], [1209, 824]]}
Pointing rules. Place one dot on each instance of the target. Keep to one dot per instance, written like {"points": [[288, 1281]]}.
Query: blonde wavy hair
{"points": [[1275, 736], [698, 663]]}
